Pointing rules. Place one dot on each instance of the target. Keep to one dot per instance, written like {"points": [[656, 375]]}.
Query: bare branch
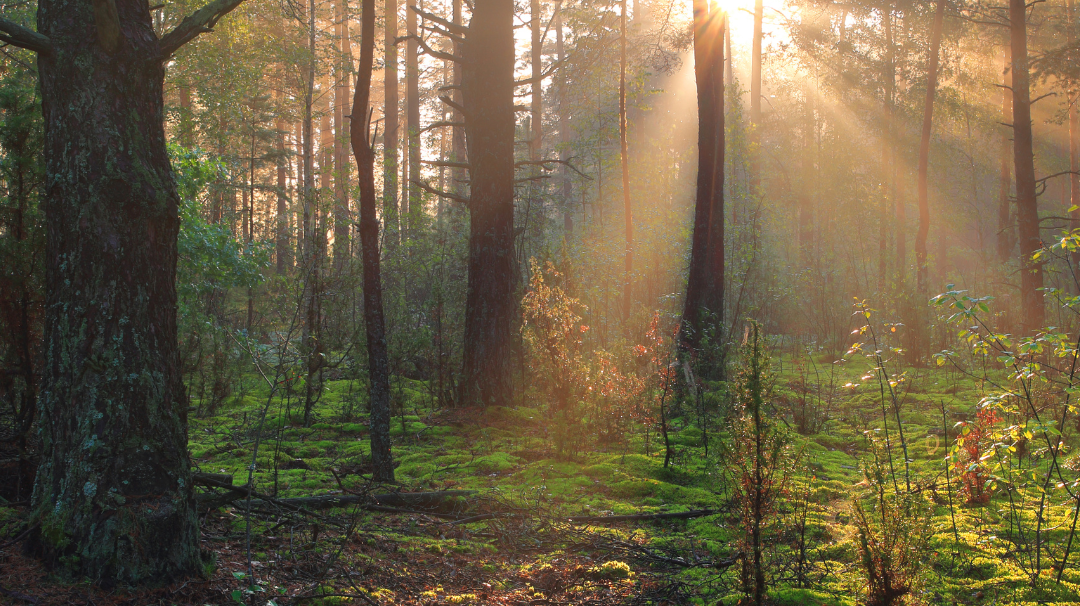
{"points": [[458, 29], [435, 125], [441, 194], [446, 163], [450, 102], [24, 37], [202, 20], [430, 51]]}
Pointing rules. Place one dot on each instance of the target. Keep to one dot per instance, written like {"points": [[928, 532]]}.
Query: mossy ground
{"points": [[509, 456]]}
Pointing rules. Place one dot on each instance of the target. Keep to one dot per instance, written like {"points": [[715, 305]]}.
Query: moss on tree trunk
{"points": [[113, 499]]}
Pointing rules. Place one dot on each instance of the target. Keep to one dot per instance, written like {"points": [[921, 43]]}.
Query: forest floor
{"points": [[522, 548]]}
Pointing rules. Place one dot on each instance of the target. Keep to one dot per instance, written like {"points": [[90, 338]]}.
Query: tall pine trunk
{"points": [[704, 286], [1006, 224], [1027, 209], [374, 323], [412, 119], [390, 126], [487, 87], [624, 161], [924, 152], [343, 69], [564, 129]]}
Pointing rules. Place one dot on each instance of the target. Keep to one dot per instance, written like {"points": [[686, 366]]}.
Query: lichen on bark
{"points": [[113, 500]]}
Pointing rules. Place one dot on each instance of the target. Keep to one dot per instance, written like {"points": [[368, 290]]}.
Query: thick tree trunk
{"points": [[412, 98], [1027, 209], [113, 500], [924, 152], [378, 359], [390, 126], [624, 161], [704, 287], [487, 87]]}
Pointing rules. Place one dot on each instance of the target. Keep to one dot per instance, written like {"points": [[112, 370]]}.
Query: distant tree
{"points": [[924, 151], [112, 499]]}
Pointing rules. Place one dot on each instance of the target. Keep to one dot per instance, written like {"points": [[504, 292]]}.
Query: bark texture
{"points": [[705, 281], [374, 323], [113, 499], [1027, 208], [487, 87]]}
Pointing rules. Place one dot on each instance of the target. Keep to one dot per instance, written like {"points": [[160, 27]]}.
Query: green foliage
{"points": [[209, 255]]}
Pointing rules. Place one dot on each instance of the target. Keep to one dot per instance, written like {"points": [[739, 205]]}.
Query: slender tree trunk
{"points": [[458, 175], [805, 212], [755, 101], [628, 216], [343, 68], [187, 126], [924, 152], [1027, 209], [390, 126], [536, 115], [312, 236], [488, 94], [412, 97], [887, 177], [708, 73], [1074, 150], [112, 500], [564, 129], [378, 359], [1006, 223], [281, 244]]}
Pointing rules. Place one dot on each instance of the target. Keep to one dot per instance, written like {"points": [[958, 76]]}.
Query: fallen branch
{"points": [[683, 515]]}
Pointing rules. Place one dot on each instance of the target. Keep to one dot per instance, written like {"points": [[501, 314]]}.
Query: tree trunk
{"points": [[755, 101], [113, 500], [1074, 154], [924, 152], [700, 308], [887, 176], [458, 175], [390, 126], [281, 244], [487, 87], [564, 128], [342, 214], [412, 86], [628, 217], [1006, 224], [536, 117], [312, 344], [1027, 209], [378, 360]]}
